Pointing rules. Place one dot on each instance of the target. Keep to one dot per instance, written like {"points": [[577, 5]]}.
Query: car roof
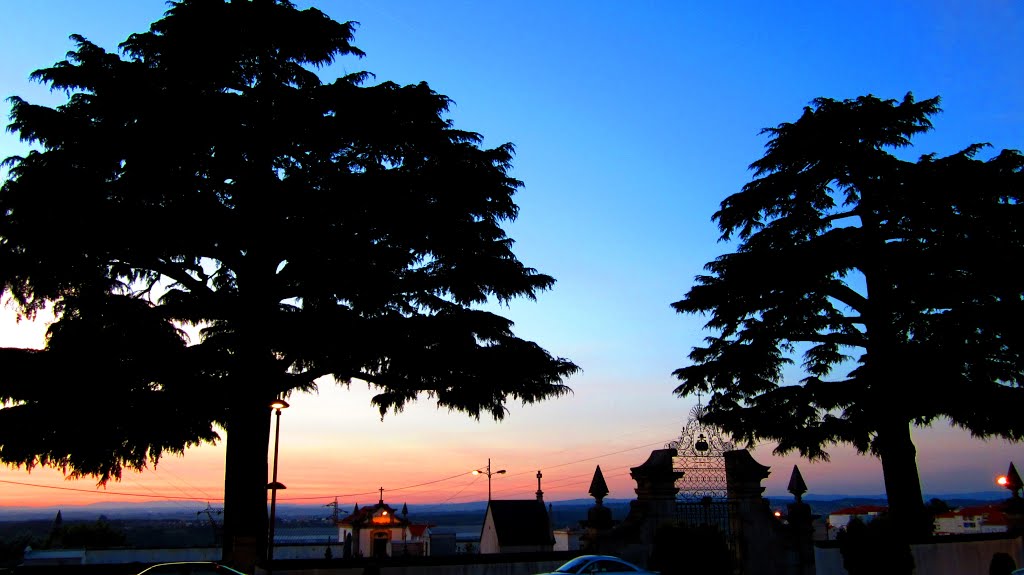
{"points": [[215, 564], [185, 563]]}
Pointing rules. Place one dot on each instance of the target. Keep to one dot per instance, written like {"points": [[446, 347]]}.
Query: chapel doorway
{"points": [[380, 543]]}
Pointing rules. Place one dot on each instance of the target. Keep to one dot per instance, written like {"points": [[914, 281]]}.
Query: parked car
{"points": [[190, 568], [604, 564]]}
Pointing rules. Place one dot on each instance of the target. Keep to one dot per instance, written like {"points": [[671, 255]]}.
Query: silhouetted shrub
{"points": [[12, 550], [1002, 564], [98, 535]]}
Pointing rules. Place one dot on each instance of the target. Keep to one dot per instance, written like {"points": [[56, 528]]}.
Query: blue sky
{"points": [[631, 121]]}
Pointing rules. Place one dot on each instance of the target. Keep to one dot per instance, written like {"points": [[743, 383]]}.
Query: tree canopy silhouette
{"points": [[205, 175], [892, 282]]}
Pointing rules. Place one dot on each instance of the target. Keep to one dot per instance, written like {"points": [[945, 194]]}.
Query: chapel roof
{"points": [[365, 515], [860, 510], [520, 522]]}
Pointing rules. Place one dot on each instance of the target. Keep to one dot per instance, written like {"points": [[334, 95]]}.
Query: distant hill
{"points": [[564, 512], [825, 504], [974, 496], [186, 524]]}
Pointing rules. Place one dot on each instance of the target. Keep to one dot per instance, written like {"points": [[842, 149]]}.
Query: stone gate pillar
{"points": [[752, 522], [655, 491], [768, 545], [655, 505]]}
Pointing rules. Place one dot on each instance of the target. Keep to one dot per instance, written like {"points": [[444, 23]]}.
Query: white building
{"points": [[840, 518], [972, 519]]}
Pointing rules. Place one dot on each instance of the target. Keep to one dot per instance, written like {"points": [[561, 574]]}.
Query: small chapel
{"points": [[380, 531], [517, 525]]}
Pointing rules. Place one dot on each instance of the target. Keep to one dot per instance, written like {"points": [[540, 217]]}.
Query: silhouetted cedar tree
{"points": [[205, 175], [867, 294]]}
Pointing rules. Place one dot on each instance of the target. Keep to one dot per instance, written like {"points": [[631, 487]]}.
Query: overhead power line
{"points": [[94, 492], [205, 497]]}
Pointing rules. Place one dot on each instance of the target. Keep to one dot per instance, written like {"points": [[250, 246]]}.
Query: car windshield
{"points": [[609, 565], [573, 566]]}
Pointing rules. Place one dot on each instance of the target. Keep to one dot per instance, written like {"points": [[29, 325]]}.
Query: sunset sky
{"points": [[632, 121]]}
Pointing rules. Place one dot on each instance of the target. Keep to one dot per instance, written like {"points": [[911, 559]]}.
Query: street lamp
{"points": [[277, 405], [489, 474]]}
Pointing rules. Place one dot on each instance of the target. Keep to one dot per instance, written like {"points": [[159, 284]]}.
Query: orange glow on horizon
{"points": [[424, 457]]}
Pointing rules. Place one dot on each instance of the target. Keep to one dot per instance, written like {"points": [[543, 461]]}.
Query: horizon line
{"points": [[988, 494]]}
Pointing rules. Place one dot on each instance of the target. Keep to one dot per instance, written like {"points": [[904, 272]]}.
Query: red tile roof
{"points": [[860, 510], [993, 514], [418, 530], [365, 515]]}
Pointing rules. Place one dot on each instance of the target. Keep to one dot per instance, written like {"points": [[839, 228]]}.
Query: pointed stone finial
{"points": [[405, 509], [355, 508], [598, 488], [56, 538], [796, 484], [1013, 481]]}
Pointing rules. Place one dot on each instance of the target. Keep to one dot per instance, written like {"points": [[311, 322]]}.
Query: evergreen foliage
{"points": [[206, 176], [867, 294]]}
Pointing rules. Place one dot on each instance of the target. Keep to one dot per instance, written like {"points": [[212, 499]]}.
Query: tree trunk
{"points": [[885, 370], [896, 450], [245, 482]]}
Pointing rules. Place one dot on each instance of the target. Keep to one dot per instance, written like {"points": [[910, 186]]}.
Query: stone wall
{"points": [[945, 555]]}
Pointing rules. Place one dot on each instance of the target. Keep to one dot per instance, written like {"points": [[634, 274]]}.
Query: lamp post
{"points": [[277, 405], [489, 474]]}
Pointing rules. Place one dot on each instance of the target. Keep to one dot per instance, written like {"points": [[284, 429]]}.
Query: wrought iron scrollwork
{"points": [[700, 455]]}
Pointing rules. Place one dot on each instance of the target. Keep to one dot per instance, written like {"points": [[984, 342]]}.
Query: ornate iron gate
{"points": [[702, 498], [716, 513], [700, 455]]}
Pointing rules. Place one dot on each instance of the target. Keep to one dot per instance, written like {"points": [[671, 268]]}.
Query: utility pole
{"points": [[210, 511], [335, 511]]}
